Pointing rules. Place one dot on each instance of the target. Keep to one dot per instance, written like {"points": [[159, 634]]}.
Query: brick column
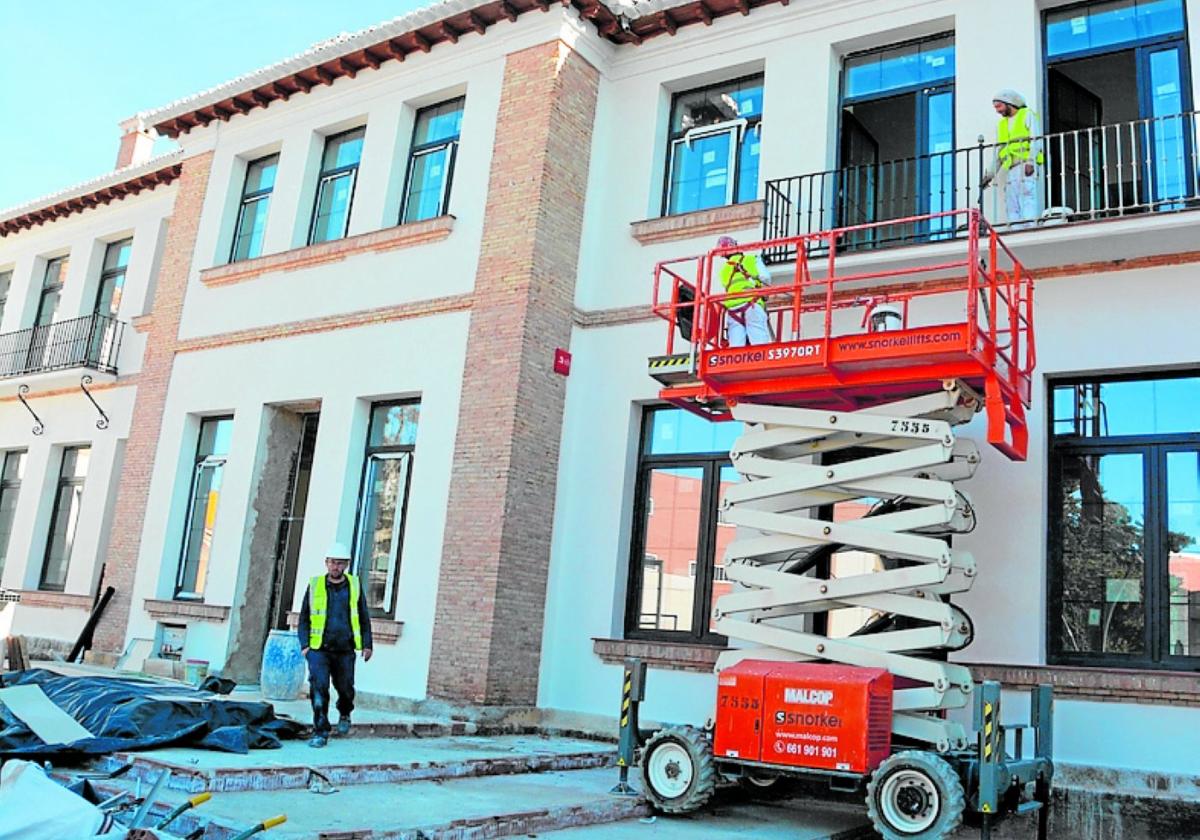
{"points": [[487, 635], [125, 539]]}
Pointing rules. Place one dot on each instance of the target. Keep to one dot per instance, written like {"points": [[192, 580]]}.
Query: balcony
{"points": [[92, 342], [1114, 171]]}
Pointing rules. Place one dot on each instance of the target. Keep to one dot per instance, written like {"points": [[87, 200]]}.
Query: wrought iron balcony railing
{"points": [[92, 342], [1142, 166]]}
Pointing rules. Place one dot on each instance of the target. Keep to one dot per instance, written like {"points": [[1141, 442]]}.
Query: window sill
{"points": [[388, 239], [667, 656], [384, 631], [1107, 685], [732, 217], [186, 611], [54, 600]]}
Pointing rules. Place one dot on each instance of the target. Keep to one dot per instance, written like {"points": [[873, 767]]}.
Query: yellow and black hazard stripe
{"points": [[989, 729], [669, 361], [626, 703]]}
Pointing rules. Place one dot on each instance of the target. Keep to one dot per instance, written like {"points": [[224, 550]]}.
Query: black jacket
{"points": [[338, 636]]}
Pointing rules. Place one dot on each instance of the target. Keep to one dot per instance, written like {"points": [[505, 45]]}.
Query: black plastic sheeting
{"points": [[127, 713]]}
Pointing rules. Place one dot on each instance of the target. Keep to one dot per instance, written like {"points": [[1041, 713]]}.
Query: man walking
{"points": [[747, 316], [334, 623], [1019, 154]]}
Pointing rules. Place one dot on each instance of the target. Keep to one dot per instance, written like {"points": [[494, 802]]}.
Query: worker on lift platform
{"points": [[747, 322], [1019, 153]]}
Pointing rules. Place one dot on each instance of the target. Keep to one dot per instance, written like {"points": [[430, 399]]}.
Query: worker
{"points": [[1019, 154], [747, 316], [334, 623]]}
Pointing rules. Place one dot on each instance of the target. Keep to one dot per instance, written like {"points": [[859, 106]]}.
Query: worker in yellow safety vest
{"points": [[1019, 156], [747, 315], [334, 623]]}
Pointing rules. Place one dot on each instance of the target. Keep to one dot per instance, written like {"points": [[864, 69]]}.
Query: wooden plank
{"points": [[40, 714]]}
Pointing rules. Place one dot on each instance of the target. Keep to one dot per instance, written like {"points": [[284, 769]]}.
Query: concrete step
{"points": [[454, 809], [361, 761]]}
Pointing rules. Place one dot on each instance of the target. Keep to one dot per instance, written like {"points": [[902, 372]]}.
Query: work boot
{"points": [[318, 741], [343, 725]]}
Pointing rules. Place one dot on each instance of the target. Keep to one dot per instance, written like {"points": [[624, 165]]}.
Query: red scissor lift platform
{"points": [[966, 315]]}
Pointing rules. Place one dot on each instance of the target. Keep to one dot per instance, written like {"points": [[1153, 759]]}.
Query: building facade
{"points": [[347, 299]]}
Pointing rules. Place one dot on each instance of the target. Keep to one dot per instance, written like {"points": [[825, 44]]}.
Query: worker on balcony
{"points": [[1019, 155], [747, 316], [334, 623]]}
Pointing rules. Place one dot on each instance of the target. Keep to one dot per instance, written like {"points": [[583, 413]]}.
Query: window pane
{"points": [[206, 493], [75, 462], [674, 431], [333, 208], [1103, 564], [343, 150], [62, 536], [117, 255], [725, 535], [5, 283], [48, 306], [394, 424], [56, 272], [1110, 24], [260, 175], [1183, 546], [893, 68], [215, 435], [426, 185], [14, 466], [8, 510], [251, 226], [441, 122], [382, 526], [1171, 174], [672, 529], [700, 172], [1138, 407], [1159, 17], [748, 155]]}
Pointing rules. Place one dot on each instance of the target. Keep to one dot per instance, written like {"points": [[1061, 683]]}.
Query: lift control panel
{"points": [[800, 714]]}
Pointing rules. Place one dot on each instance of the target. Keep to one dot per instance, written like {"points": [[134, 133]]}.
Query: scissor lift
{"points": [[856, 400]]}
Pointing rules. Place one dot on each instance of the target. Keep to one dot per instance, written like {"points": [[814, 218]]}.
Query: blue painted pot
{"points": [[283, 666]]}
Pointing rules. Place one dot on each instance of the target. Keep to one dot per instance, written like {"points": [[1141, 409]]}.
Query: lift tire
{"points": [[678, 770], [915, 795], [760, 785]]}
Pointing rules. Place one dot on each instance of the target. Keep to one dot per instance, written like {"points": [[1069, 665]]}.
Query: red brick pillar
{"points": [[125, 539], [487, 635]]}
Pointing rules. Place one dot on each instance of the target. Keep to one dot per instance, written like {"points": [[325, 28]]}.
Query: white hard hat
{"points": [[338, 551], [1011, 97]]}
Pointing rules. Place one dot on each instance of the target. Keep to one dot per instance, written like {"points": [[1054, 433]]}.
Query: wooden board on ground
{"points": [[38, 712], [16, 654]]}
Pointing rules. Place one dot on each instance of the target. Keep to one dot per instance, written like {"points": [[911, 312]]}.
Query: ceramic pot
{"points": [[283, 666]]}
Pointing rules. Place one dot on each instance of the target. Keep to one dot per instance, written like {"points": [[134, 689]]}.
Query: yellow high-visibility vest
{"points": [[318, 611], [739, 274], [1013, 136]]}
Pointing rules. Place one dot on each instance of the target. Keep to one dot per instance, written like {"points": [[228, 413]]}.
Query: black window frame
{"points": [[115, 274], [9, 485], [63, 264], [753, 124], [327, 176], [710, 497], [6, 277], [419, 150], [370, 451], [1153, 449], [63, 481], [253, 197], [198, 460]]}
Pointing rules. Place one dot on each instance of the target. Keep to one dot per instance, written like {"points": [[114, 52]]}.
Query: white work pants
{"points": [[1022, 194], [755, 330]]}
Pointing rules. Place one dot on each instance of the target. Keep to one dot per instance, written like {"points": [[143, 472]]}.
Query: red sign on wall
{"points": [[562, 361]]}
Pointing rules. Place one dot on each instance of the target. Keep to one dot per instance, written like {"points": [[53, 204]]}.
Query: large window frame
{"points": [[208, 468], [73, 484], [419, 152], [373, 456], [735, 130], [1089, 438], [711, 465], [12, 473], [328, 179], [256, 200]]}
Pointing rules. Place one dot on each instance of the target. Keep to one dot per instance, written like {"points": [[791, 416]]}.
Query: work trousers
{"points": [[1022, 196], [323, 664], [748, 325]]}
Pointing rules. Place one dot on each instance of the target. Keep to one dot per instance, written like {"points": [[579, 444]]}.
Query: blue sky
{"points": [[73, 69]]}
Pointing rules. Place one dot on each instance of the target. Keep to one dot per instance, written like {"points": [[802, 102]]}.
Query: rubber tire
{"points": [[704, 770], [944, 779]]}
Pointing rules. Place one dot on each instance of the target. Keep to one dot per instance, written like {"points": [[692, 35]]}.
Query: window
{"points": [[5, 285], [207, 474], [112, 278], [431, 161], [683, 469], [383, 501], [10, 486], [252, 213], [1125, 523], [335, 187], [1096, 26], [65, 518], [40, 338], [713, 150]]}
